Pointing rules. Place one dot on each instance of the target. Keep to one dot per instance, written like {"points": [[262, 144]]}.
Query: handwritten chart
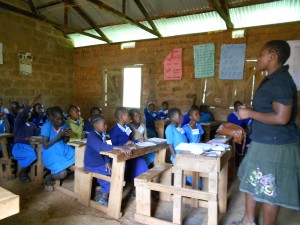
{"points": [[293, 62], [204, 60], [232, 62], [173, 65]]}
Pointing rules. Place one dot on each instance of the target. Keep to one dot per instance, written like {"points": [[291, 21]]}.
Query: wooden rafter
{"points": [[145, 13], [223, 14], [31, 5], [249, 2], [41, 18], [124, 6], [87, 19], [122, 16], [48, 4], [66, 14]]}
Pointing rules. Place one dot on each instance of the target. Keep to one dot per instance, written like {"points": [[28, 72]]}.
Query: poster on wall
{"points": [[25, 62], [293, 62], [1, 53], [204, 60], [173, 65], [232, 62]]}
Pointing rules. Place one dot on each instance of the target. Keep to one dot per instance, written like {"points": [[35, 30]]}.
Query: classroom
{"points": [[165, 60]]}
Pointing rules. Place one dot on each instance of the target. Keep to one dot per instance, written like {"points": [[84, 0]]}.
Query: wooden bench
{"points": [[9, 203], [37, 169], [6, 161]]}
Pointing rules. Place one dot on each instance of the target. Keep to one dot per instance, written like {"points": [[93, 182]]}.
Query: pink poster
{"points": [[173, 65]]}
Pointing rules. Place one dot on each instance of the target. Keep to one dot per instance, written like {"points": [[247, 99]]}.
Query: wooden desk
{"points": [[5, 162], [209, 129], [9, 203], [160, 127], [37, 169], [118, 169], [217, 170]]}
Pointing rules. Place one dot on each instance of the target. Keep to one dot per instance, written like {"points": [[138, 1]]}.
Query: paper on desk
{"points": [[145, 144], [157, 140], [217, 146], [195, 148], [219, 140]]}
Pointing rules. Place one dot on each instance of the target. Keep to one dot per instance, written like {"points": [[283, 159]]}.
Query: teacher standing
{"points": [[270, 172]]}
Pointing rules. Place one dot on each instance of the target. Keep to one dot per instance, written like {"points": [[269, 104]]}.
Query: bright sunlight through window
{"points": [[132, 87]]}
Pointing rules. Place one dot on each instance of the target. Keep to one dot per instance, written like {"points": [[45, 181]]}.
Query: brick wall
{"points": [[52, 69], [91, 61]]}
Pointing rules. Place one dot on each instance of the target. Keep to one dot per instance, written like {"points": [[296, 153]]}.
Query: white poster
{"points": [[293, 62], [1, 53], [25, 61]]}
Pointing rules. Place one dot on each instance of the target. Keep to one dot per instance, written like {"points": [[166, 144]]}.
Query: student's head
{"points": [[122, 115], [73, 112], [274, 52], [194, 114], [95, 111], [135, 116], [21, 109], [98, 123], [56, 116], [164, 105], [38, 108], [175, 115], [236, 105], [203, 108], [151, 106], [14, 106]]}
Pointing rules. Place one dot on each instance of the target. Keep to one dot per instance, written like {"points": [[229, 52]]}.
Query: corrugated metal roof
{"points": [[267, 13]]}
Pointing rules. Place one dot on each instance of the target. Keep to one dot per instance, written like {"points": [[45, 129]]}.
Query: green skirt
{"points": [[271, 174]]}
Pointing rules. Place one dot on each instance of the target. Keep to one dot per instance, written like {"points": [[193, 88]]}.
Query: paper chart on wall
{"points": [[232, 62], [204, 60], [173, 65], [293, 62]]}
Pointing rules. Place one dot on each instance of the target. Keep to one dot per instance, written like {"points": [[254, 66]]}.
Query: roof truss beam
{"points": [[122, 16], [87, 19], [52, 3], [222, 12]]}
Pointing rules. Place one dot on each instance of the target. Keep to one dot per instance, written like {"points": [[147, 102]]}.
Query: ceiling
{"points": [[89, 22]]}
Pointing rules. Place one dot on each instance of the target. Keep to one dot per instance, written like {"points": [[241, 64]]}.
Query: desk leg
{"points": [[8, 171], [213, 205], [177, 199], [223, 176], [79, 156], [160, 157], [195, 185], [116, 190]]}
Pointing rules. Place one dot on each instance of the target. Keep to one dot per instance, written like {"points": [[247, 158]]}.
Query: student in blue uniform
{"points": [[193, 129], [95, 162], [57, 155], [205, 114], [174, 133], [234, 118], [120, 136], [88, 127], [150, 117], [164, 110], [38, 117], [22, 151], [4, 124]]}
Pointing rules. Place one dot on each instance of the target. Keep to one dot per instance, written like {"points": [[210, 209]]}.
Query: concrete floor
{"points": [[55, 208]]}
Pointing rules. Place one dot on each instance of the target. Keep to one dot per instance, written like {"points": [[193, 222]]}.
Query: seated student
{"points": [[14, 106], [234, 118], [87, 124], [75, 122], [193, 129], [22, 151], [57, 155], [4, 124], [174, 134], [38, 117], [120, 136], [205, 114], [139, 132], [150, 117], [95, 162], [163, 113]]}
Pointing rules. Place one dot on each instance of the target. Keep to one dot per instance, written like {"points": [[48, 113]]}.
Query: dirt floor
{"points": [[56, 208]]}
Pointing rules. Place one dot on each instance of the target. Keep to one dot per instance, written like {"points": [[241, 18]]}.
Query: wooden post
{"points": [[177, 199]]}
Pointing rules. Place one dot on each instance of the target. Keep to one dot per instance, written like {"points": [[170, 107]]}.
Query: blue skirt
{"points": [[24, 154]]}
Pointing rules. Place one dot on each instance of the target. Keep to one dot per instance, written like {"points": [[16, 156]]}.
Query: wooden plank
{"points": [[160, 156], [166, 179], [9, 203], [195, 184], [177, 199], [153, 172], [213, 205], [98, 206], [64, 190], [79, 155], [116, 190], [102, 177], [83, 186], [143, 201], [222, 189], [150, 220], [119, 156]]}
